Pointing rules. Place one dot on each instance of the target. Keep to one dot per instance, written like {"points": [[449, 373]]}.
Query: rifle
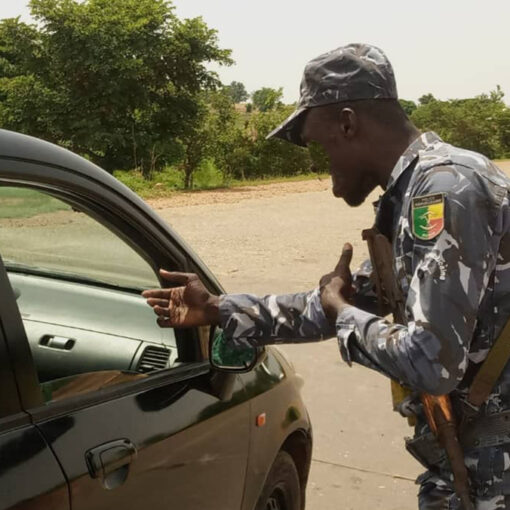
{"points": [[438, 409]]}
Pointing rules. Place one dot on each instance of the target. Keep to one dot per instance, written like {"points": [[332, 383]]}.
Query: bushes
{"points": [[160, 183]]}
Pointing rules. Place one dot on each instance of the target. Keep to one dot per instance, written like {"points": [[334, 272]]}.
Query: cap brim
{"points": [[290, 128]]}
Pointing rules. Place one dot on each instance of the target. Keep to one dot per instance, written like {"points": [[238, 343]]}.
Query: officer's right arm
{"points": [[289, 318]]}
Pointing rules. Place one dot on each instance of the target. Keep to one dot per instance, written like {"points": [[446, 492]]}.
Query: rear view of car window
{"points": [[43, 234]]}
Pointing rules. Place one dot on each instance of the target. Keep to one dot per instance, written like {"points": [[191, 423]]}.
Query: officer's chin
{"points": [[353, 200]]}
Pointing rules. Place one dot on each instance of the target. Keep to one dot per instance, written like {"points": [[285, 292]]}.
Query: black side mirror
{"points": [[228, 358]]}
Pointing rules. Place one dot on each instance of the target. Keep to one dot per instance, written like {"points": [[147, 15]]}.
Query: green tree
{"points": [[116, 80], [213, 135], [266, 98], [481, 123], [237, 91], [408, 106], [426, 99], [261, 158]]}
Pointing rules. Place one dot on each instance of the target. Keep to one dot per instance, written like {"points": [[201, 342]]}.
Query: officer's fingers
{"points": [[175, 276], [164, 303], [345, 259]]}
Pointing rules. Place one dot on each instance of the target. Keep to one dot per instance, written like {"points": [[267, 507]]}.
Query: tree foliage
{"points": [[266, 98], [481, 124], [237, 92], [116, 80]]}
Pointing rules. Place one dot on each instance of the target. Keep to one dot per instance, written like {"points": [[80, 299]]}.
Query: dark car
{"points": [[99, 407]]}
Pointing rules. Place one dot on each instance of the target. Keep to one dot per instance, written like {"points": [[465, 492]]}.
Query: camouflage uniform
{"points": [[457, 289]]}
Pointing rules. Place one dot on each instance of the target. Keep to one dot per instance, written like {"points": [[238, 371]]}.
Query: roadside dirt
{"points": [[234, 195]]}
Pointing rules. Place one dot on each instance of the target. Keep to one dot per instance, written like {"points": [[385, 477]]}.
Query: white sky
{"points": [[451, 48]]}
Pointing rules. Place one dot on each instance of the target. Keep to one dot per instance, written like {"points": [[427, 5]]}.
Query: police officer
{"points": [[446, 212]]}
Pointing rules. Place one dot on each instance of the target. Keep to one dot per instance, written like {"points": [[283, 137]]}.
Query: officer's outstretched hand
{"points": [[185, 304], [336, 287]]}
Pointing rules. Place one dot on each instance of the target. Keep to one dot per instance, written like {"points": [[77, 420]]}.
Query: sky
{"points": [[450, 48]]}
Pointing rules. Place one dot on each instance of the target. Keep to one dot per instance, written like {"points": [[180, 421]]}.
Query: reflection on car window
{"points": [[44, 234]]}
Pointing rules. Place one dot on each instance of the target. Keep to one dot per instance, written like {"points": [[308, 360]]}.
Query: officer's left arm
{"points": [[448, 277]]}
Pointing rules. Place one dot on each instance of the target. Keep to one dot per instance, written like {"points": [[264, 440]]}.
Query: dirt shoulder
{"points": [[238, 194]]}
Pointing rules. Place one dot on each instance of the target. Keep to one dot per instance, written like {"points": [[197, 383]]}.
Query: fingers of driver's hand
{"points": [[164, 322], [162, 311], [345, 258], [156, 293], [158, 302], [176, 277]]}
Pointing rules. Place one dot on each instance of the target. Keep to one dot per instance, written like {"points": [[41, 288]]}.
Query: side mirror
{"points": [[227, 358]]}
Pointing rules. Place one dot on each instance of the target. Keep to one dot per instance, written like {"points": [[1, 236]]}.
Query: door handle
{"points": [[110, 462], [57, 342]]}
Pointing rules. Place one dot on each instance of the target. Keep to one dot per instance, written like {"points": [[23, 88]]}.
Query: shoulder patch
{"points": [[428, 216]]}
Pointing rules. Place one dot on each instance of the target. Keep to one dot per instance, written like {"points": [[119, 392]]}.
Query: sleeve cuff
{"points": [[345, 332], [315, 314]]}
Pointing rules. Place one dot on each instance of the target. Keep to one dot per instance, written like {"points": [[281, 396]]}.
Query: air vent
{"points": [[153, 358]]}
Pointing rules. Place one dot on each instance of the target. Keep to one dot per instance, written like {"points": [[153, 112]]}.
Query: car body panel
{"points": [[185, 440]]}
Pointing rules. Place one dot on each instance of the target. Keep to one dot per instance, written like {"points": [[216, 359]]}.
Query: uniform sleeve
{"points": [[290, 318], [448, 277]]}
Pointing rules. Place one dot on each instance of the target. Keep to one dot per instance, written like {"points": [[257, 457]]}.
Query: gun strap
{"points": [[491, 369]]}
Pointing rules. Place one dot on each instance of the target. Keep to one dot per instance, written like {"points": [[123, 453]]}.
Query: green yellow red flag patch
{"points": [[428, 216]]}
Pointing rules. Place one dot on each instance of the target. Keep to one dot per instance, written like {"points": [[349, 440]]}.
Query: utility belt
{"points": [[480, 432]]}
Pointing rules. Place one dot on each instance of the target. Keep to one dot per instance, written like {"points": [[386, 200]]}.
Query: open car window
{"points": [[77, 286]]}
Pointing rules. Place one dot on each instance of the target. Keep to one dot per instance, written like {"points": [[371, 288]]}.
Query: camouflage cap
{"points": [[348, 73]]}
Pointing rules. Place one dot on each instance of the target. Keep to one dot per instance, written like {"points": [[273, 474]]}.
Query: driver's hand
{"points": [[186, 304]]}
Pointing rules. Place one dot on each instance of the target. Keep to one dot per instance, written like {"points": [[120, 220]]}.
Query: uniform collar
{"points": [[410, 154]]}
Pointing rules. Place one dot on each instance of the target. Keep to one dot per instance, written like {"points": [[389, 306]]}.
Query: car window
{"points": [[77, 286], [42, 233]]}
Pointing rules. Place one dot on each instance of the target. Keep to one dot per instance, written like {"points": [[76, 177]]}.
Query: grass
{"points": [[275, 180], [25, 203], [207, 177]]}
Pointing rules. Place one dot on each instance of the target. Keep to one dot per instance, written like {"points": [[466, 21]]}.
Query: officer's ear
{"points": [[348, 122]]}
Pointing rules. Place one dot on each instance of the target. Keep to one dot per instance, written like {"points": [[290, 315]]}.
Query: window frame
{"points": [[150, 238]]}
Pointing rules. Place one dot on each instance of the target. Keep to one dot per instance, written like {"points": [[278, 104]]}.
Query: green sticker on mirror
{"points": [[225, 355]]}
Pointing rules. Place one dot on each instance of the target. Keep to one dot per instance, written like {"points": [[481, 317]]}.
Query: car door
{"points": [[125, 436], [30, 476]]}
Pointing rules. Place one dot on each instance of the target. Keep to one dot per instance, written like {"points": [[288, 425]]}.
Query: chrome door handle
{"points": [[57, 342]]}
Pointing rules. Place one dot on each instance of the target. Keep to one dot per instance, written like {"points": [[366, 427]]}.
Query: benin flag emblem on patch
{"points": [[428, 216]]}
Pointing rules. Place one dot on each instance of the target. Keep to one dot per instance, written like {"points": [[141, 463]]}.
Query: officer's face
{"points": [[339, 135]]}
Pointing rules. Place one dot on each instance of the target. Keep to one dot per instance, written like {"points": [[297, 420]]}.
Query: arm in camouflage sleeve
{"points": [[247, 319], [448, 277], [289, 318]]}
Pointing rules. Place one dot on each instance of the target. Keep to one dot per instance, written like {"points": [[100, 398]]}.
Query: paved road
{"points": [[284, 244]]}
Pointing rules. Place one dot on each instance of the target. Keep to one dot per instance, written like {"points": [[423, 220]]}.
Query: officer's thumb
{"points": [[345, 259]]}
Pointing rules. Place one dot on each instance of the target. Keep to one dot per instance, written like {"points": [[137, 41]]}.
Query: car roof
{"points": [[23, 147]]}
